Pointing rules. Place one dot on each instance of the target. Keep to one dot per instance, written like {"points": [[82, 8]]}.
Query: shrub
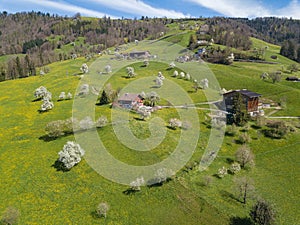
{"points": [[71, 154], [276, 129], [207, 180], [222, 172], [244, 138]]}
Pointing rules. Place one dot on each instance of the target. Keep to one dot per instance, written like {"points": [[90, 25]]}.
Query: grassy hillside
{"points": [[44, 195]]}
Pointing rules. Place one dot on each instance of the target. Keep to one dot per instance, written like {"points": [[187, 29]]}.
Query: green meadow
{"points": [[43, 195]]}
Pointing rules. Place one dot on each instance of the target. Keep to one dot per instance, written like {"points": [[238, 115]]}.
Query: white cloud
{"points": [[291, 10], [234, 8], [58, 5], [137, 7]]}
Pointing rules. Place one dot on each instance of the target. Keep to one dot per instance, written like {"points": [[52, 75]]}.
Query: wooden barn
{"points": [[250, 99]]}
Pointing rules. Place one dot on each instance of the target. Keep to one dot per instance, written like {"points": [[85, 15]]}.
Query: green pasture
{"points": [[30, 183]]}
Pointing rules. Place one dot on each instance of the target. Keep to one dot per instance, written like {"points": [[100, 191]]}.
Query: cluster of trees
{"points": [[32, 34], [43, 94], [58, 128], [225, 31], [291, 50]]}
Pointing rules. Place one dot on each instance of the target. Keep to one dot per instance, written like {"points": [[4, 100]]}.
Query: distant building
{"points": [[293, 79], [129, 100], [139, 54], [250, 99]]}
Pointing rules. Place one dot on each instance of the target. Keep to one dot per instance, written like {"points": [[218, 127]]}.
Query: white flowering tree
{"points": [[108, 69], [84, 89], [204, 83], [162, 175], [69, 96], [136, 184], [101, 122], [172, 65], [222, 172], [62, 96], [130, 72], [159, 82], [182, 75], [174, 123], [102, 209], [42, 92], [84, 68], [47, 105], [71, 154], [144, 111], [86, 123], [187, 76], [235, 168], [175, 73]]}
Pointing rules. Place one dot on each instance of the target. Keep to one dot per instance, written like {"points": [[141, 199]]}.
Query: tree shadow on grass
{"points": [[46, 138], [130, 191], [240, 221], [36, 100], [229, 196], [59, 166], [229, 160], [139, 119]]}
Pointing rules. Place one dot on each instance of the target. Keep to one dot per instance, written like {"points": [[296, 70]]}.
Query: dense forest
{"points": [[42, 38], [281, 31]]}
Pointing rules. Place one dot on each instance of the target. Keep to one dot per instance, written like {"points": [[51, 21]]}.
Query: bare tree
{"points": [[245, 188]]}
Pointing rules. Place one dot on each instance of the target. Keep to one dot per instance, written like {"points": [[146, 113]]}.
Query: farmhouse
{"points": [[250, 99], [139, 54], [129, 100]]}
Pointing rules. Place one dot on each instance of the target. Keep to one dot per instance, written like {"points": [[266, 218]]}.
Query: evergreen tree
{"points": [[104, 98], [19, 67], [240, 115]]}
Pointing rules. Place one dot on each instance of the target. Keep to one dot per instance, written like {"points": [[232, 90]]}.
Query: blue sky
{"points": [[158, 8]]}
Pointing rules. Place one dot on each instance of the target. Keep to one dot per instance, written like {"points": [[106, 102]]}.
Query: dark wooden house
{"points": [[250, 99]]}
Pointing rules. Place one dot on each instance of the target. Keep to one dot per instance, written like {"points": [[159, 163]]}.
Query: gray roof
{"points": [[245, 92], [129, 97]]}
